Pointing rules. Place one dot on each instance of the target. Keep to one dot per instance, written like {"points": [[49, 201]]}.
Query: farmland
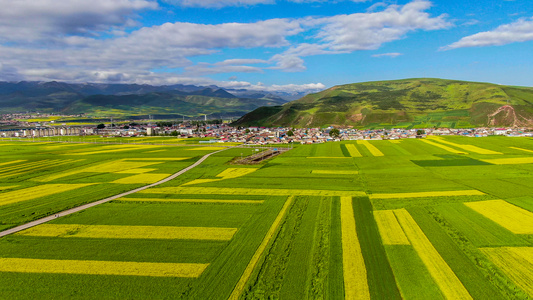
{"points": [[442, 218]]}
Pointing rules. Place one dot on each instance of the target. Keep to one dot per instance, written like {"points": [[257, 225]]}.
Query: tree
{"points": [[420, 132], [290, 133], [334, 133], [100, 126]]}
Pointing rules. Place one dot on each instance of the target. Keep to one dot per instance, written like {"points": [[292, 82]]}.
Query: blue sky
{"points": [[289, 45]]}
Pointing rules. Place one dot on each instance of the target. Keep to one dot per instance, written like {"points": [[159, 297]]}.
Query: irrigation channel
{"points": [[92, 204]]}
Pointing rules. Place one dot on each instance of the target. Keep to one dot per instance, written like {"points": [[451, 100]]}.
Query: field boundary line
{"points": [[92, 204], [239, 287]]}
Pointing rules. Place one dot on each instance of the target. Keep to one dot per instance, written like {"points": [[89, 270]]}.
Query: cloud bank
{"points": [[102, 41], [519, 31]]}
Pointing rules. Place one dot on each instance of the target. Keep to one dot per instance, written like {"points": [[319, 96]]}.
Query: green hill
{"points": [[408, 103]]}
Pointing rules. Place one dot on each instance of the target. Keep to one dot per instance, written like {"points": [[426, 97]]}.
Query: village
{"points": [[220, 132]]}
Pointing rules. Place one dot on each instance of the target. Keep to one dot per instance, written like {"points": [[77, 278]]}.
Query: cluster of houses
{"points": [[257, 135]]}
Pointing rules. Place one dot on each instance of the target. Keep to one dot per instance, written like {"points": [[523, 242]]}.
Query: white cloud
{"points": [[288, 88], [288, 63], [30, 20], [63, 41], [519, 31], [368, 31], [269, 33], [392, 55]]}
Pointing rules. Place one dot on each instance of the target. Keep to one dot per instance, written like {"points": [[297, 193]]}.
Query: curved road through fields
{"points": [[85, 206]]}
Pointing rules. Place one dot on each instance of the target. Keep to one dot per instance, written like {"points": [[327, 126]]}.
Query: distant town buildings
{"points": [[222, 133]]}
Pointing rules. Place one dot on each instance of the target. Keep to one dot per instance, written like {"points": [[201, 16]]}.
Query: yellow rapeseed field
{"points": [[192, 200], [37, 192], [113, 148], [521, 149], [12, 162], [207, 148], [235, 172], [3, 188], [30, 265], [157, 158], [115, 166], [443, 147], [29, 167], [375, 151], [247, 191], [335, 172], [510, 161], [352, 149], [226, 174], [449, 284], [517, 263], [390, 230], [353, 264], [239, 287], [395, 141], [199, 181], [507, 215], [131, 232], [426, 194], [136, 171], [142, 178], [328, 157], [469, 148]]}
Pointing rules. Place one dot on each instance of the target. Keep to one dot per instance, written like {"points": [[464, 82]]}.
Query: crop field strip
{"points": [[169, 200], [12, 162], [304, 257], [390, 230], [130, 232], [443, 275], [517, 263], [522, 149], [355, 277], [2, 188], [481, 231], [510, 161], [28, 265], [37, 192], [239, 287], [334, 172], [352, 150], [469, 148], [329, 157], [373, 150], [246, 191], [229, 173], [449, 149], [426, 194], [39, 165], [142, 178], [113, 149], [509, 216]]}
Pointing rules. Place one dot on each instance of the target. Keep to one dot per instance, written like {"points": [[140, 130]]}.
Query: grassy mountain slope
{"points": [[404, 103]]}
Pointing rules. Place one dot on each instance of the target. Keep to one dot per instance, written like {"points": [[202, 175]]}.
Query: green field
{"points": [[424, 222]]}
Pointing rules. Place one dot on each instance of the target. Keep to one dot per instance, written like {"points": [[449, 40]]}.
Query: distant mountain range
{"points": [[131, 99], [409, 103]]}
